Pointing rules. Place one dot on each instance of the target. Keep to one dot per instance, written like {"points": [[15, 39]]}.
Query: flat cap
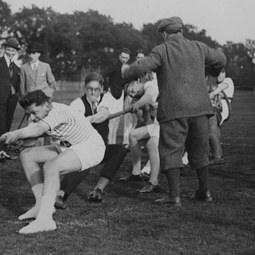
{"points": [[173, 24]]}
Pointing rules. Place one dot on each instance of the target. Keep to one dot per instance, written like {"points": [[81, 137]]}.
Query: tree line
{"points": [[80, 41]]}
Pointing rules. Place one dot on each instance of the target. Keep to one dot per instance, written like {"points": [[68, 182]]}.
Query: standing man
{"points": [[184, 104], [84, 149], [9, 87], [116, 90], [36, 74]]}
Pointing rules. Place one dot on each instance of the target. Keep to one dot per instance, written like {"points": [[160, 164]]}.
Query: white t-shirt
{"points": [[69, 125]]}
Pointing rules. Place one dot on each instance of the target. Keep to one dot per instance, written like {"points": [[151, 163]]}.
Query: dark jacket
{"points": [[115, 81], [179, 64], [6, 80]]}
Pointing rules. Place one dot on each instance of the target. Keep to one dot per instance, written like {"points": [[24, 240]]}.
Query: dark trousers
{"points": [[114, 156], [6, 115]]}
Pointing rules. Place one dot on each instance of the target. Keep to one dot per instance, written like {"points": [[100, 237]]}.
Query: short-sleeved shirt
{"points": [[69, 125]]}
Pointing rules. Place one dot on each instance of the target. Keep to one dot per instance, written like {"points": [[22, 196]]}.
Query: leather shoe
{"points": [[149, 188], [95, 196], [204, 196], [132, 178], [60, 203], [216, 161], [175, 202]]}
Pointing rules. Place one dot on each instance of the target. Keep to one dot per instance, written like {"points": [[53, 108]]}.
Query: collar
{"points": [[97, 101], [36, 63], [7, 59]]}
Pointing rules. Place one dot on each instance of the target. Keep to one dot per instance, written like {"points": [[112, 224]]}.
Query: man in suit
{"points": [[9, 87], [184, 105], [36, 74]]}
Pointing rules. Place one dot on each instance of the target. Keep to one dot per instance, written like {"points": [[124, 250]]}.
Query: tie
{"points": [[33, 66], [11, 74], [11, 69], [94, 107]]}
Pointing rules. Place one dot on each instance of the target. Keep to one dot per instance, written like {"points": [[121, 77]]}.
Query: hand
{"points": [[135, 107], [10, 137]]}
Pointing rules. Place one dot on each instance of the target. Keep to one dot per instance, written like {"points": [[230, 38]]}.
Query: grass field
{"points": [[128, 223]]}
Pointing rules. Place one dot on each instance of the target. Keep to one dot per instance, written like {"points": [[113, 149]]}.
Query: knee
{"points": [[26, 154], [48, 167]]}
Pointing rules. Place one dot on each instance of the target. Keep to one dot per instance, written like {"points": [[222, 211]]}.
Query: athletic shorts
{"points": [[90, 153], [153, 130]]}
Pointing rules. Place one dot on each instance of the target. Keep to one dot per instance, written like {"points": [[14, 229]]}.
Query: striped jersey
{"points": [[67, 124]]}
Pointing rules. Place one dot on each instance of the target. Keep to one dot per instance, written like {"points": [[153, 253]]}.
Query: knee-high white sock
{"points": [[47, 208], [32, 213]]}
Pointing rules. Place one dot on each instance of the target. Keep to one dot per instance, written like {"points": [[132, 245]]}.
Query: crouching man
{"points": [[84, 148]]}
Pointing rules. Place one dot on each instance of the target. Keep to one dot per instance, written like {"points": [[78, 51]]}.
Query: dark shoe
{"points": [[216, 161], [146, 177], [171, 202], [132, 178], [149, 188], [204, 196], [95, 196], [60, 203]]}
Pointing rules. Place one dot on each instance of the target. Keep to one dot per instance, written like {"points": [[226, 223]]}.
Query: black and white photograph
{"points": [[127, 127]]}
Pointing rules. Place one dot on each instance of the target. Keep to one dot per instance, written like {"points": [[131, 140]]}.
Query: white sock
{"points": [[33, 212], [47, 208]]}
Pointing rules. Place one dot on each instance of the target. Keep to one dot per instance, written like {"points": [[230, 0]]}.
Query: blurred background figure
{"points": [[9, 87], [116, 90]]}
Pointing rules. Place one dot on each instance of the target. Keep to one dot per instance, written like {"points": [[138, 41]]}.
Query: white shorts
{"points": [[153, 129], [90, 153]]}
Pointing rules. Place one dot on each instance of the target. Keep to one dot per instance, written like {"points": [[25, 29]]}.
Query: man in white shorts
{"points": [[84, 148], [147, 91]]}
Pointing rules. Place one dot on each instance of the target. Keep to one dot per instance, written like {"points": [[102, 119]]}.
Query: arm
{"points": [[217, 91], [32, 130], [51, 80], [148, 64], [100, 116]]}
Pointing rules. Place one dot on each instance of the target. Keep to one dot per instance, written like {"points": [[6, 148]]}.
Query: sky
{"points": [[224, 20]]}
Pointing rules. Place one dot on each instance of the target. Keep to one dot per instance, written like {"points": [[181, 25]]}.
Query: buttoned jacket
{"points": [[6, 80], [179, 64], [41, 78]]}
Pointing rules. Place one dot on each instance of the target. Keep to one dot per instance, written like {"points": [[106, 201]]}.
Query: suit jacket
{"points": [[42, 78], [179, 64], [6, 80]]}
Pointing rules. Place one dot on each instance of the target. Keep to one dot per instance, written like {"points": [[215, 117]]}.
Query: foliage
{"points": [[89, 40]]}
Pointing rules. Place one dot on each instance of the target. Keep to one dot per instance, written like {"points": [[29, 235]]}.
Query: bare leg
{"points": [[30, 159], [152, 148], [65, 162], [135, 136]]}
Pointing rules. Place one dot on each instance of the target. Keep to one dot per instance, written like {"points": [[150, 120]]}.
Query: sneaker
{"points": [[95, 196]]}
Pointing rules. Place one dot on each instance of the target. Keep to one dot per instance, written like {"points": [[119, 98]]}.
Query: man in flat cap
{"points": [[184, 104], [9, 88]]}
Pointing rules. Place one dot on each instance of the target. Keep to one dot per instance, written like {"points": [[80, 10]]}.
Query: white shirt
{"points": [[69, 125], [34, 65], [78, 104]]}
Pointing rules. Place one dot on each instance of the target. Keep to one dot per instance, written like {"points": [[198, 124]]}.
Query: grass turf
{"points": [[129, 223]]}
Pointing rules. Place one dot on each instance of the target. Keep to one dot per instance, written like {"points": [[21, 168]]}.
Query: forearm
{"points": [[100, 116]]}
